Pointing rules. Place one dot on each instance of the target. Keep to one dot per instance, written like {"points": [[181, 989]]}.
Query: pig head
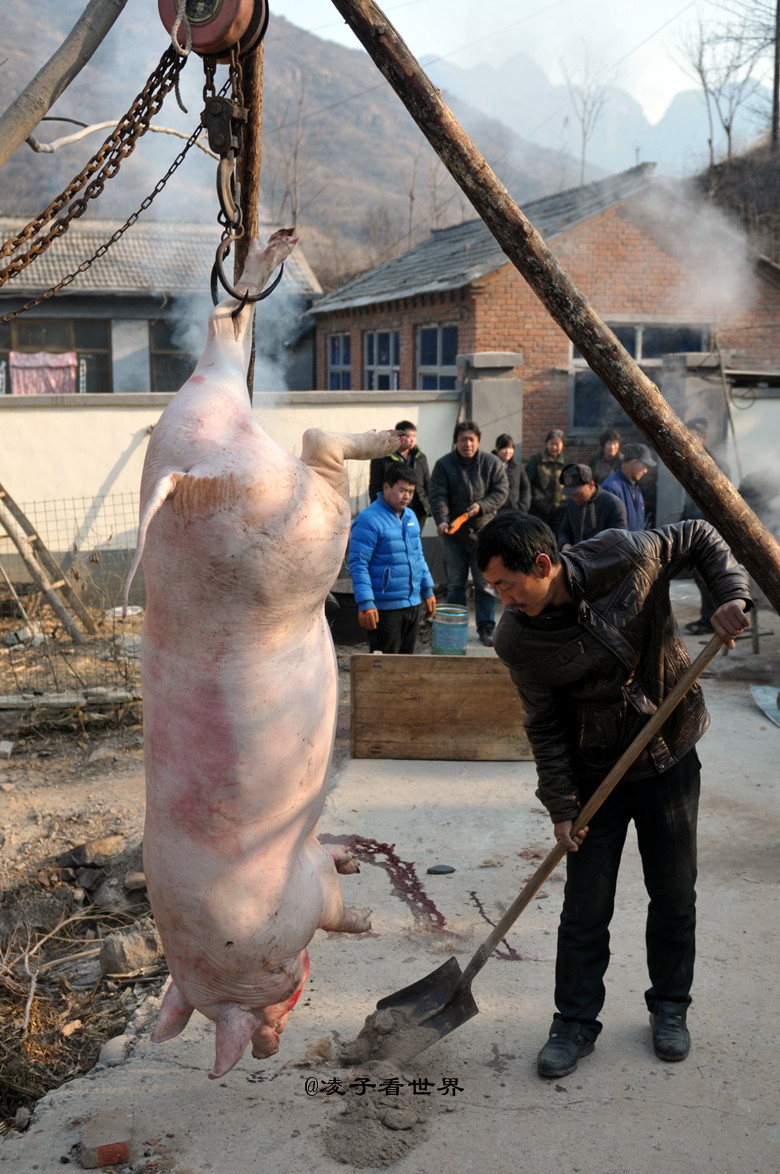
{"points": [[241, 543]]}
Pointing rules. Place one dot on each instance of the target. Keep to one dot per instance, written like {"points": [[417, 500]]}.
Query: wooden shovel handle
{"points": [[556, 854]]}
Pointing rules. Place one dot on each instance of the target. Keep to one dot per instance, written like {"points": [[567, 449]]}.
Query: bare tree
{"points": [[758, 22], [292, 179], [588, 96], [383, 233], [722, 61]]}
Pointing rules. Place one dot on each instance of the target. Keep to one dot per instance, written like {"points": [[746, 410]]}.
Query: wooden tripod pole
{"points": [[248, 171], [637, 395]]}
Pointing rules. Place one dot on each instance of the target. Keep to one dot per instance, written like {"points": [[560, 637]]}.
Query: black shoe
{"points": [[671, 1038], [699, 628], [562, 1052], [485, 637]]}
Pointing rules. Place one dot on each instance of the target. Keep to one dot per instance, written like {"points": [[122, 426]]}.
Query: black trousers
{"points": [[664, 809], [396, 630]]}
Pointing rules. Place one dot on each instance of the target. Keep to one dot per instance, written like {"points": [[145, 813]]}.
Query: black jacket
{"points": [[455, 485], [590, 675], [603, 511], [519, 499], [421, 502]]}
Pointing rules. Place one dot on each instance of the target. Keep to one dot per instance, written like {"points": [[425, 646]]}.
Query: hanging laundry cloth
{"points": [[43, 373]]}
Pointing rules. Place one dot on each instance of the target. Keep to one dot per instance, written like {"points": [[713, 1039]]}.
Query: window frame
{"points": [[373, 370], [338, 376], [83, 353], [578, 365], [439, 376]]}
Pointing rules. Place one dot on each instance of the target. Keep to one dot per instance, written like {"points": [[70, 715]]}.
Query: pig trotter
{"points": [[346, 862], [352, 920], [173, 1016]]}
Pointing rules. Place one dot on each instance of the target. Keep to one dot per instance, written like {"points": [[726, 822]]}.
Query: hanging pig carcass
{"points": [[241, 543]]}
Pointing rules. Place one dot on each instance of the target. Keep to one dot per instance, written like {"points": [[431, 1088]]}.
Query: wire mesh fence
{"points": [[53, 671]]}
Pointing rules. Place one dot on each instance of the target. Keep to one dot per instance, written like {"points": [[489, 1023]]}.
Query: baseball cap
{"points": [[639, 452], [573, 477]]}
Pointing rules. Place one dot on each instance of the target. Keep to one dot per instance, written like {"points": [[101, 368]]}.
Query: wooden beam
{"points": [[29, 107], [248, 171], [640, 399]]}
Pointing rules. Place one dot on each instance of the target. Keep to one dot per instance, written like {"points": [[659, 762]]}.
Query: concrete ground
{"points": [[473, 1102]]}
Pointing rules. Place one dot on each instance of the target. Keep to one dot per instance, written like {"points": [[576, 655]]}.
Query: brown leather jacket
{"points": [[591, 675]]}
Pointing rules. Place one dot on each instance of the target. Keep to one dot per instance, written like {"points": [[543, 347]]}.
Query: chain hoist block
{"points": [[222, 119], [216, 25]]}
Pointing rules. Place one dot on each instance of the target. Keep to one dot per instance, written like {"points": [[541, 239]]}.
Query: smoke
{"points": [[717, 278]]}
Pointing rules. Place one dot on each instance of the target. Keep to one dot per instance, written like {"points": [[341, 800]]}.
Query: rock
{"points": [[439, 869], [135, 881], [112, 895], [114, 1051], [22, 1117], [6, 749], [128, 951], [93, 852], [103, 754], [6, 787], [90, 878]]}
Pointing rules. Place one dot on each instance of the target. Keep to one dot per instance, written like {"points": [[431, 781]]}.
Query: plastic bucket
{"points": [[450, 630]]}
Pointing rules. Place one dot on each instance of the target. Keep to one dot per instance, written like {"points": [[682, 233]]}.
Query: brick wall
{"points": [[628, 263]]}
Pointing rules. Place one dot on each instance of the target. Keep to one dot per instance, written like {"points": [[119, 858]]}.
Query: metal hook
{"points": [[218, 275]]}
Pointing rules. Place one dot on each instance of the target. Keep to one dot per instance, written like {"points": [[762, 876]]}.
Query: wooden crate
{"points": [[450, 707]]}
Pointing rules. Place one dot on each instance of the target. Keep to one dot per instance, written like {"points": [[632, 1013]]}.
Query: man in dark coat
{"points": [[415, 459], [591, 644], [589, 509], [470, 483]]}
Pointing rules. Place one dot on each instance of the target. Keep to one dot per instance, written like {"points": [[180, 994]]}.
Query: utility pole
{"points": [[776, 83]]}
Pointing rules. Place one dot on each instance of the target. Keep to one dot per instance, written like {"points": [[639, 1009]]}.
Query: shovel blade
{"points": [[427, 1010]]}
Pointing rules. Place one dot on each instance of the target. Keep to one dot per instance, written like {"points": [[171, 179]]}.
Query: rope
{"points": [[181, 18]]}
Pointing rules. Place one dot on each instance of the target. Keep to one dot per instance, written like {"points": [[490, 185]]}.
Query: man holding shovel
{"points": [[590, 641]]}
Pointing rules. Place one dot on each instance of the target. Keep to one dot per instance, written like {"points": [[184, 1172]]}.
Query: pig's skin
{"points": [[241, 544]]}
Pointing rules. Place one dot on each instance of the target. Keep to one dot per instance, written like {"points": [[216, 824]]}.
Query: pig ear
{"points": [[172, 1017], [234, 1031]]}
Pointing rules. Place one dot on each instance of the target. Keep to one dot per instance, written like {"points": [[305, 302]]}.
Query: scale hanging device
{"points": [[224, 32]]}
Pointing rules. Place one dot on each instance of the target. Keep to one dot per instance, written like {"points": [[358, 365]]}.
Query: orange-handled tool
{"points": [[456, 525]]}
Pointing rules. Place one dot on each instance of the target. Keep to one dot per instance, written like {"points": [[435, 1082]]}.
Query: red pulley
{"points": [[217, 25]]}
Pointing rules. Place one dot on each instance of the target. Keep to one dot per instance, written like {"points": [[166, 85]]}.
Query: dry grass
{"points": [[51, 1031]]}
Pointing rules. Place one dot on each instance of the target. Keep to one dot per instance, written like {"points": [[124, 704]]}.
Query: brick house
{"points": [[667, 277], [135, 320]]}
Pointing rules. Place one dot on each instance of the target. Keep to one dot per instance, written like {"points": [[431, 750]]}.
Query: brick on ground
{"points": [[107, 1139]]}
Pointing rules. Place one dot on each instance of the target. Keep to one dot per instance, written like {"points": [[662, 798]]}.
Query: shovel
{"points": [[431, 1008]]}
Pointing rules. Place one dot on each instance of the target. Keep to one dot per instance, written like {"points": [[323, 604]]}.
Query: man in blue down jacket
{"points": [[624, 483], [389, 573], [591, 644]]}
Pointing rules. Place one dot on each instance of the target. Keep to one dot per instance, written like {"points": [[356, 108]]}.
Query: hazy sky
{"points": [[633, 43]]}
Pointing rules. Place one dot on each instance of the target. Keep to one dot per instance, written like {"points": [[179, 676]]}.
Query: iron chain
{"points": [[103, 166]]}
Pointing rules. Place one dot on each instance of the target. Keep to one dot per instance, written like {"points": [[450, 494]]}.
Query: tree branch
{"points": [[27, 110]]}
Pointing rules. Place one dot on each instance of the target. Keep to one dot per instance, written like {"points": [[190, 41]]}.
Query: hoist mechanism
{"points": [[215, 26]]}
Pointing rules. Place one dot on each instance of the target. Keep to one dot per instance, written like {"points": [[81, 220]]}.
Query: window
{"points": [[437, 348], [171, 366], [380, 360], [90, 338], [339, 358], [593, 406]]}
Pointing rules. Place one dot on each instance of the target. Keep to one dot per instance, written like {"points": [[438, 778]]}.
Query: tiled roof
{"points": [[454, 257], [151, 257]]}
